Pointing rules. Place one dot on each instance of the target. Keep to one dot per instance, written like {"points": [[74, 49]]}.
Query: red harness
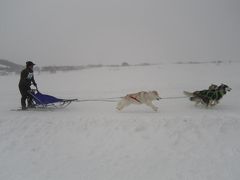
{"points": [[135, 99]]}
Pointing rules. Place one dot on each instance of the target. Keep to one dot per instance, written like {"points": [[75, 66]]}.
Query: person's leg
{"points": [[30, 99], [24, 94]]}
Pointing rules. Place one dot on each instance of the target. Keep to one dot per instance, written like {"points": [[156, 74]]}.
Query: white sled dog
{"points": [[142, 97]]}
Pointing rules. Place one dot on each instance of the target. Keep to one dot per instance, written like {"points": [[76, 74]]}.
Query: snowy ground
{"points": [[93, 141]]}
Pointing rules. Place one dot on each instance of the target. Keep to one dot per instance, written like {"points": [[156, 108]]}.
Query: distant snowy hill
{"points": [[9, 66]]}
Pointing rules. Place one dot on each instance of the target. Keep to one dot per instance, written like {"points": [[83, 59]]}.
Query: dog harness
{"points": [[135, 99], [211, 94]]}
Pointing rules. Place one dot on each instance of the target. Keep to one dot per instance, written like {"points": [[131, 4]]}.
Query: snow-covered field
{"points": [[93, 141]]}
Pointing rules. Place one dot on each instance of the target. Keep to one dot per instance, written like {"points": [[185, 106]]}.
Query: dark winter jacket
{"points": [[27, 78]]}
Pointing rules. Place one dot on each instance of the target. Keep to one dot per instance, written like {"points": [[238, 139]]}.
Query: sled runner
{"points": [[45, 101]]}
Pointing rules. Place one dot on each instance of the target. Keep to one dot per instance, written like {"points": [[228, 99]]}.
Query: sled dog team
{"points": [[208, 97]]}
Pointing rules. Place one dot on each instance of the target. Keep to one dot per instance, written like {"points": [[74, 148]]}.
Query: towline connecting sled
{"points": [[47, 102], [44, 101]]}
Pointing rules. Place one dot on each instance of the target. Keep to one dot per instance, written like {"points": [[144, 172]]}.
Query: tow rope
{"points": [[116, 99], [174, 97]]}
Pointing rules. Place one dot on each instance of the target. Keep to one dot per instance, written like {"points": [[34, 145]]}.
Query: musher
{"points": [[26, 80]]}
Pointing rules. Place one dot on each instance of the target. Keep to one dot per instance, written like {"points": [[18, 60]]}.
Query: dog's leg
{"points": [[150, 104], [211, 103], [214, 102], [197, 102], [122, 103]]}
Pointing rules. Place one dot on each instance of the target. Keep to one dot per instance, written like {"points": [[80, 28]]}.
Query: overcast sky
{"points": [[75, 32]]}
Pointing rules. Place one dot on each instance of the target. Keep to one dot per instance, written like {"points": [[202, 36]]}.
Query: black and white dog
{"points": [[210, 96]]}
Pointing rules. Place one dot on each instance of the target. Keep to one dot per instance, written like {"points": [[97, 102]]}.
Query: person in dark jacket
{"points": [[26, 80]]}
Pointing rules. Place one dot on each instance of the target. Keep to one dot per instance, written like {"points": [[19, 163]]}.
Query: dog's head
{"points": [[224, 87], [155, 95], [212, 87]]}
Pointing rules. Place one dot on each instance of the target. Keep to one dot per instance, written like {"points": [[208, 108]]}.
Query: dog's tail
{"points": [[189, 94]]}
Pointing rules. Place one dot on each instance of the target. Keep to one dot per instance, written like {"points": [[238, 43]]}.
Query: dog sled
{"points": [[44, 101]]}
